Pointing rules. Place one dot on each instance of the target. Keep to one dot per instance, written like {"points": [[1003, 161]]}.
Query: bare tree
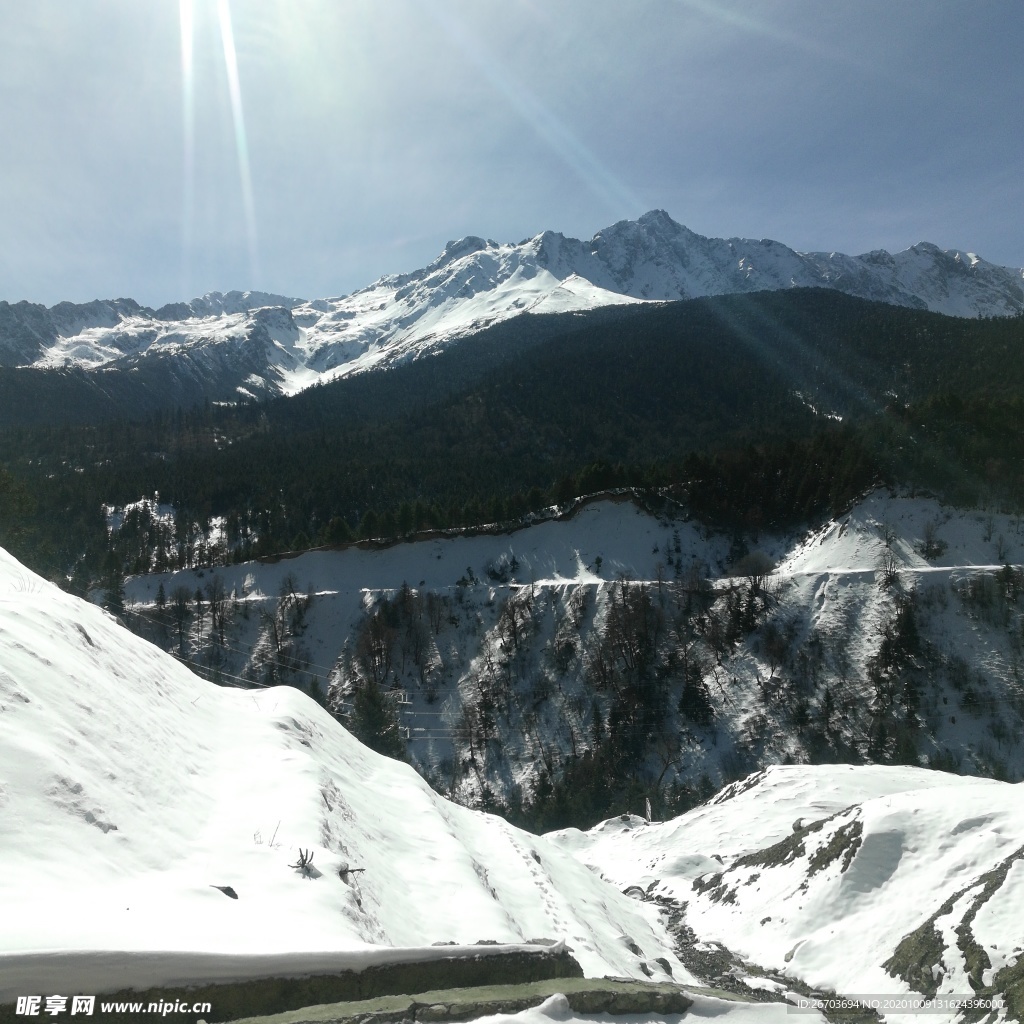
{"points": [[181, 611], [218, 603], [374, 647], [668, 749], [435, 611], [931, 546], [890, 571]]}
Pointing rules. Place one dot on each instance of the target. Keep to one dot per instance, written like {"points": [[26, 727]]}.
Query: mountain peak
{"points": [[217, 303], [659, 220], [476, 281], [459, 247]]}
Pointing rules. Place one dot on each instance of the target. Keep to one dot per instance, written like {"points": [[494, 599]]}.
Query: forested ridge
{"points": [[758, 410]]}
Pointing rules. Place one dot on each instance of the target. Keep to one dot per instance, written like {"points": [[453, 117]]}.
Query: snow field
{"points": [[126, 782], [830, 906], [132, 790]]}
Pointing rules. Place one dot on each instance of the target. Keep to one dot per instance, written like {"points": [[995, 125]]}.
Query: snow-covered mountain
{"points": [[859, 880], [133, 794], [261, 343], [160, 818]]}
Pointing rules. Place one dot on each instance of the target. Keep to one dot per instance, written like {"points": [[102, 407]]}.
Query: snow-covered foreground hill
{"points": [[861, 880], [259, 342], [893, 633], [133, 793]]}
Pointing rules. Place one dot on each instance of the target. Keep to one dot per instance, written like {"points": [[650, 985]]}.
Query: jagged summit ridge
{"points": [[473, 283]]}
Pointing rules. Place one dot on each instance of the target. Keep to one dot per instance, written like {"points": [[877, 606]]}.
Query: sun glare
{"points": [[187, 20], [545, 123], [238, 118], [188, 134]]}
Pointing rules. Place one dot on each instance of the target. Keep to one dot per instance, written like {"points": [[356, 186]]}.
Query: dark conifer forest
{"points": [[756, 411]]}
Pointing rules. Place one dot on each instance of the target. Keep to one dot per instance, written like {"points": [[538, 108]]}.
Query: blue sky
{"points": [[333, 141]]}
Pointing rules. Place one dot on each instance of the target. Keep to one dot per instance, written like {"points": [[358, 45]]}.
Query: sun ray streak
{"points": [[741, 20], [549, 128], [238, 118], [186, 14]]}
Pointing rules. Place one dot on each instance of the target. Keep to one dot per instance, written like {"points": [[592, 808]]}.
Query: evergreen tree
{"points": [[374, 721], [113, 595], [368, 526]]}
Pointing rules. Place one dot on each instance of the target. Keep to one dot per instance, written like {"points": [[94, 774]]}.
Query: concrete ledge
{"points": [[232, 1000], [441, 1006]]}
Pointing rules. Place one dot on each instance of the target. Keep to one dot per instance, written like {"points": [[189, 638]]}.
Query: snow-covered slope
{"points": [[890, 632], [474, 283], [860, 880], [131, 791]]}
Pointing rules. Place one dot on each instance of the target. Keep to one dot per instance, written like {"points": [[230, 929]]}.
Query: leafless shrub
{"points": [[305, 863]]}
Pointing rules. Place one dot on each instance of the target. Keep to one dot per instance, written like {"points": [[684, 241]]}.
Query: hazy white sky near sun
{"points": [[309, 146]]}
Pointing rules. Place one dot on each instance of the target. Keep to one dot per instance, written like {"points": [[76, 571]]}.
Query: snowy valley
{"points": [[129, 782], [144, 807], [509, 665], [673, 642]]}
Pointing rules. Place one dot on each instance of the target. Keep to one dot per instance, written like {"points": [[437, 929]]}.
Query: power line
{"points": [[250, 682], [165, 619]]}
